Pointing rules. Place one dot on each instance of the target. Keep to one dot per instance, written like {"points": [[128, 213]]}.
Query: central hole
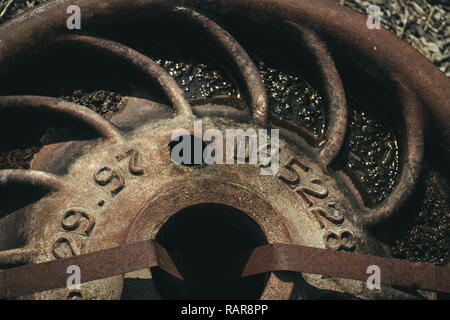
{"points": [[210, 245]]}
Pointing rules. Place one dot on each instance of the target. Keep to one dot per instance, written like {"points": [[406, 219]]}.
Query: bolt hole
{"points": [[210, 245]]}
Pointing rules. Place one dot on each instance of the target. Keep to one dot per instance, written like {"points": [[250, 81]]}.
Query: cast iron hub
{"points": [[123, 187]]}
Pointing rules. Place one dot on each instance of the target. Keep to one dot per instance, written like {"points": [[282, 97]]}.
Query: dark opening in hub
{"points": [[210, 245]]}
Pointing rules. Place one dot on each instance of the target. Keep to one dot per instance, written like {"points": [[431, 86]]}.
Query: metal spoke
{"points": [[331, 89], [411, 162], [144, 63], [91, 118], [248, 70], [35, 178]]}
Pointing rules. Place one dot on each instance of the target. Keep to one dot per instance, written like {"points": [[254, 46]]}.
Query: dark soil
{"points": [[372, 152], [103, 102], [18, 158]]}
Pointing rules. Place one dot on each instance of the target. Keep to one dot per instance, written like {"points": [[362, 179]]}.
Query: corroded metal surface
{"points": [[123, 186], [20, 281], [277, 257]]}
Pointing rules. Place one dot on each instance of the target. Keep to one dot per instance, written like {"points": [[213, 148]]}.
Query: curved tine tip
{"points": [[332, 89], [16, 256], [248, 71], [88, 116], [144, 63], [36, 178], [411, 164]]}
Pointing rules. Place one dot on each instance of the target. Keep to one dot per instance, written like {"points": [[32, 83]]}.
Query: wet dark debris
{"points": [[292, 97], [198, 80], [372, 152], [371, 148], [103, 102], [197, 75]]}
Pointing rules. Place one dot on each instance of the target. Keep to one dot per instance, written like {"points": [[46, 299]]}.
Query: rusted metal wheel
{"points": [[120, 185]]}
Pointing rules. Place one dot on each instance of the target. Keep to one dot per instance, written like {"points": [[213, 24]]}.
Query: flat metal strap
{"points": [[288, 257], [102, 264]]}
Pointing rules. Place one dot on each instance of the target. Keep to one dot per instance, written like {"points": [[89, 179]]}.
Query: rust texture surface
{"points": [[109, 195]]}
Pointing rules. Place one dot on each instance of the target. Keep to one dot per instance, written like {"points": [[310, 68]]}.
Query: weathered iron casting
{"points": [[20, 281], [120, 189]]}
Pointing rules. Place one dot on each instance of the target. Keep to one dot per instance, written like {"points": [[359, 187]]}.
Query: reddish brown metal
{"points": [[182, 194], [349, 30], [32, 278], [15, 257], [218, 110], [328, 18], [332, 90], [411, 162], [287, 257], [269, 258], [418, 83]]}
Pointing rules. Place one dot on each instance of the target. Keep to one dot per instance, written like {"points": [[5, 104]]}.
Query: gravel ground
{"points": [[424, 24], [427, 237], [11, 8]]}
